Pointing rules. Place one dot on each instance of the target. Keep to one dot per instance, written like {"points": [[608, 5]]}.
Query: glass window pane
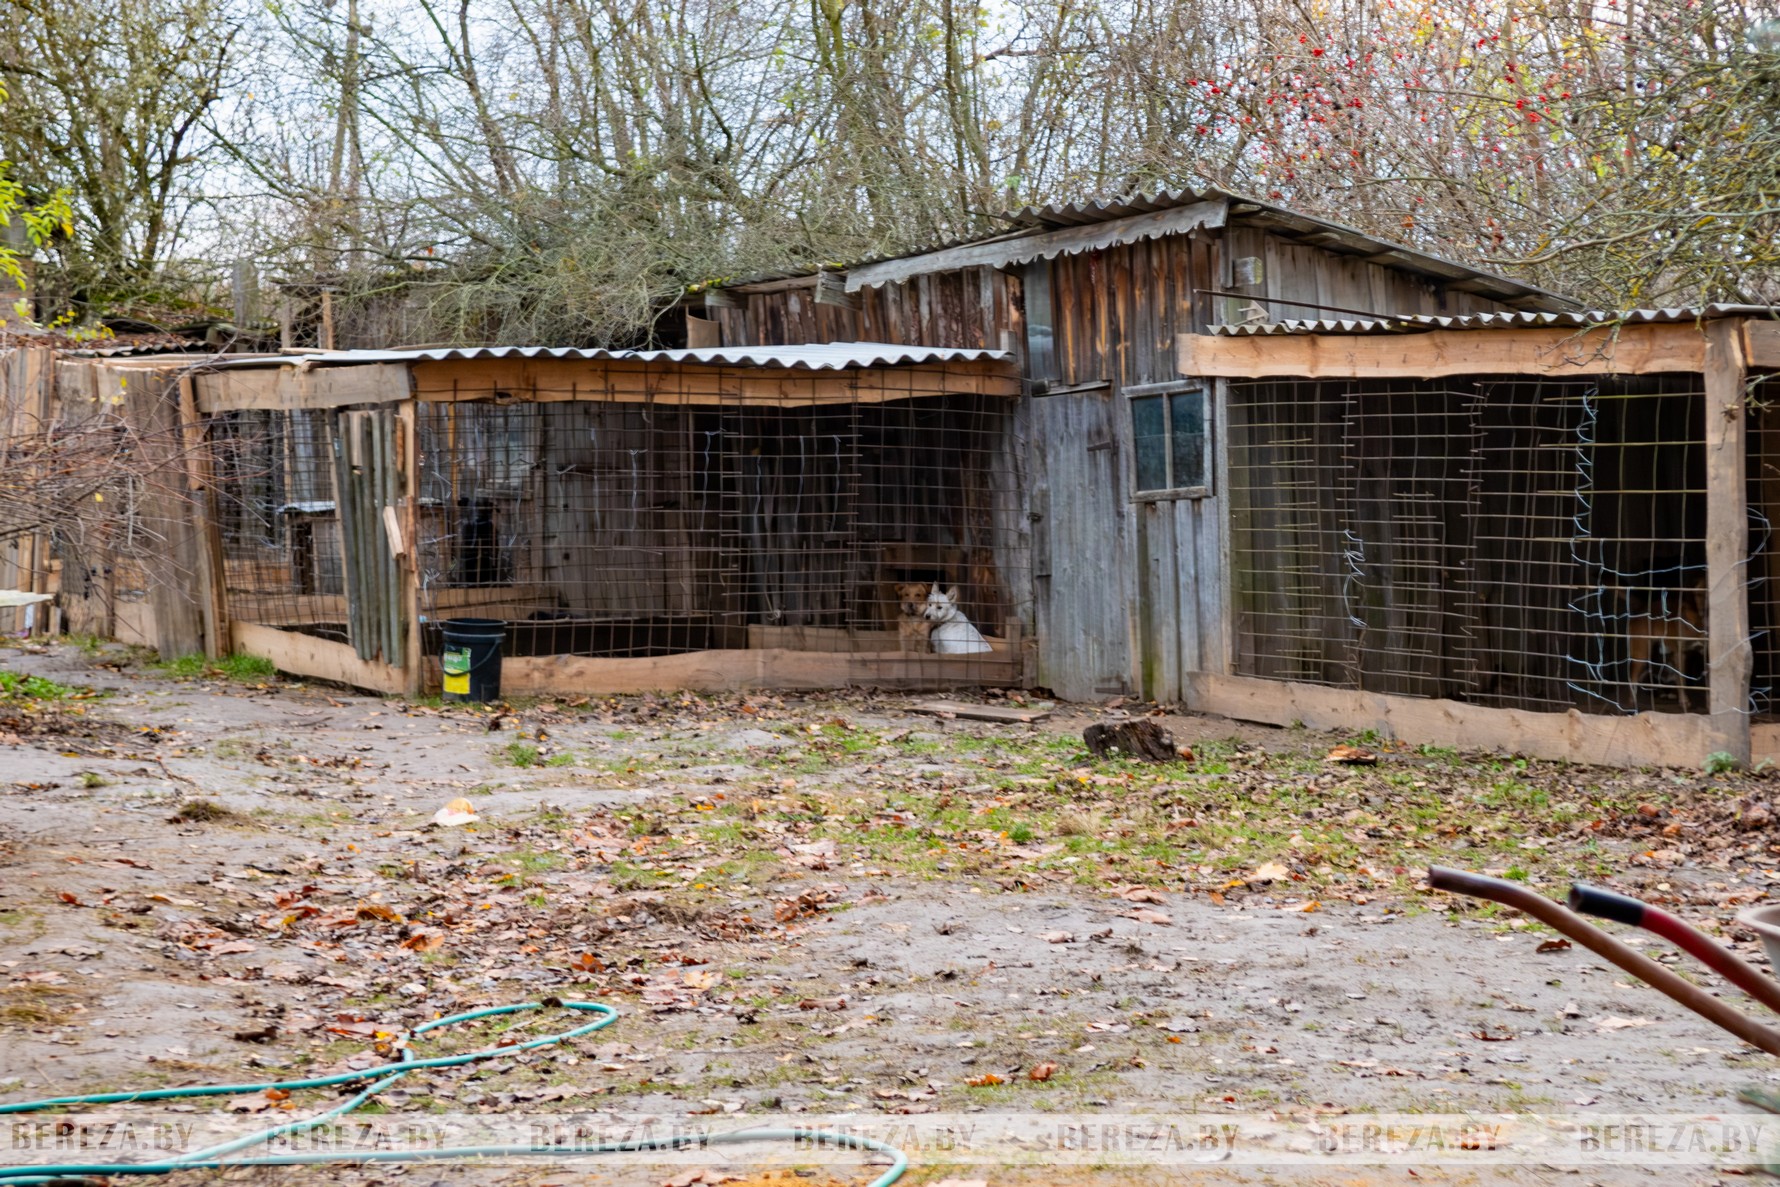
{"points": [[1187, 441], [1151, 435]]}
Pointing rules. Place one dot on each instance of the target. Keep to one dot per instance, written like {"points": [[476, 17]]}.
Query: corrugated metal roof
{"points": [[827, 356], [1322, 232], [1422, 323]]}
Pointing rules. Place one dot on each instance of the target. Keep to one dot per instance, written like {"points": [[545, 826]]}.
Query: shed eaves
{"points": [[828, 356], [1421, 323]]}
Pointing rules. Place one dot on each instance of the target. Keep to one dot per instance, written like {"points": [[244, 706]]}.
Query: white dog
{"points": [[953, 633]]}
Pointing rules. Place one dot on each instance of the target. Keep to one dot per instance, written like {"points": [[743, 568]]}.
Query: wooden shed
{"points": [[700, 519], [1126, 464]]}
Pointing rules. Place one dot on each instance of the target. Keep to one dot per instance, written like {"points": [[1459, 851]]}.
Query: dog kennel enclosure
{"points": [[1545, 533], [700, 519]]}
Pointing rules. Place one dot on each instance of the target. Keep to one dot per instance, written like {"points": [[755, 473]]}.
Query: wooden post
{"points": [[408, 478], [1730, 660], [172, 567], [327, 319], [213, 568], [43, 374]]}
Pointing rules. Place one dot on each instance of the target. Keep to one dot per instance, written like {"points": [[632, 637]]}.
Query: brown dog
{"points": [[912, 627], [1672, 620]]}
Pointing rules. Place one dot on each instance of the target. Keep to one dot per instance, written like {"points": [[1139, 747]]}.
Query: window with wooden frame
{"points": [[1171, 440]]}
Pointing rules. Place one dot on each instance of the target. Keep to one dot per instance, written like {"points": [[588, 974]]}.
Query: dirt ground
{"points": [[837, 907]]}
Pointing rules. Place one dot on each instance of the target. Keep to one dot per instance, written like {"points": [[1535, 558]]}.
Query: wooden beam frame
{"points": [[1629, 350], [213, 570], [290, 386], [1761, 344], [545, 380], [1729, 659], [408, 476]]}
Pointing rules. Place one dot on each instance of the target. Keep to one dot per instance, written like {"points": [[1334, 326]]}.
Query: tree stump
{"points": [[1141, 738]]}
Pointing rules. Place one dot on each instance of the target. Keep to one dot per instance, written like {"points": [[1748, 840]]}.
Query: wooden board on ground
{"points": [[1644, 739], [767, 668], [318, 659], [1003, 713]]}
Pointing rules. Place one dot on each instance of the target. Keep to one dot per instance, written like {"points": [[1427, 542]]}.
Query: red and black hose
{"points": [[1604, 904], [1513, 894]]}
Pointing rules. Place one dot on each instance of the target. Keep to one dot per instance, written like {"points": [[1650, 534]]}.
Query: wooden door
{"points": [[1081, 522]]}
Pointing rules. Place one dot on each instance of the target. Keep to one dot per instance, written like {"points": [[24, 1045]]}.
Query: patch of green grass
{"points": [[625, 876], [92, 779], [248, 669], [184, 667], [532, 861], [522, 754], [16, 686]]}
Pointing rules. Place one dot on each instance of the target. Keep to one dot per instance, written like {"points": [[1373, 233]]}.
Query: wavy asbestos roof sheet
{"points": [[827, 356], [1495, 321], [1166, 209]]}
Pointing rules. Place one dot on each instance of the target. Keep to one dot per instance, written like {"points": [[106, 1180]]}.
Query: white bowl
{"points": [[1765, 922]]}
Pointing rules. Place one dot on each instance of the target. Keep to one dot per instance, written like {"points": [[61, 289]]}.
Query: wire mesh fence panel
{"points": [[1515, 542], [1764, 549], [1638, 545], [618, 529], [1290, 557], [283, 550], [1524, 512], [1410, 454], [304, 503]]}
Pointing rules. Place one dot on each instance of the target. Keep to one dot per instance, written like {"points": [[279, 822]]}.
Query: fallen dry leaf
{"points": [[1353, 756], [1142, 894], [822, 1003], [1615, 1022], [1145, 915], [1270, 871], [1042, 1072], [1057, 937], [986, 1080], [1557, 945], [258, 1102], [424, 941]]}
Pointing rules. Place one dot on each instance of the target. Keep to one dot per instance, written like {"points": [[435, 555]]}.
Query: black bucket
{"points": [[472, 658]]}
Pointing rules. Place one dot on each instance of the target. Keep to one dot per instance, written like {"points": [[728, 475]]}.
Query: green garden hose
{"points": [[215, 1157]]}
